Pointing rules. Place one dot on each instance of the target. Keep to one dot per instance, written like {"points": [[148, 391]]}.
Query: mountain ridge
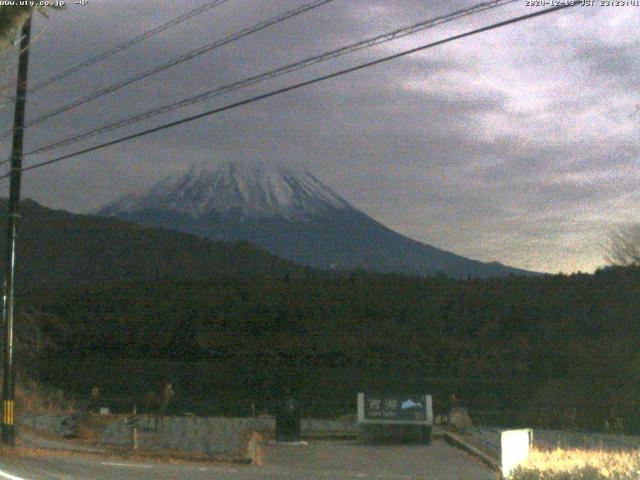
{"points": [[58, 247], [292, 215]]}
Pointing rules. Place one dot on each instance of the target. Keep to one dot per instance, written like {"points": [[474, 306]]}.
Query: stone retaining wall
{"points": [[207, 435], [313, 425], [212, 436], [63, 425]]}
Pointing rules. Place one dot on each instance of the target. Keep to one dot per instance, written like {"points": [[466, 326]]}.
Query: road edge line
{"points": [[9, 476]]}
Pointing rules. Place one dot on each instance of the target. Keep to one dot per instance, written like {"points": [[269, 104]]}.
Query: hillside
{"points": [[60, 247], [556, 351]]}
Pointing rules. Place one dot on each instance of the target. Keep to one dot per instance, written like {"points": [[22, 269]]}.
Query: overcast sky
{"points": [[518, 145]]}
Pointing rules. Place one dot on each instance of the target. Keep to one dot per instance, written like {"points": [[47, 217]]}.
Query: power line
{"points": [[176, 61], [129, 43], [6, 62], [270, 74], [299, 85]]}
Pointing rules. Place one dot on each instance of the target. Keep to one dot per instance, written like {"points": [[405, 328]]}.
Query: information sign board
{"points": [[398, 409]]}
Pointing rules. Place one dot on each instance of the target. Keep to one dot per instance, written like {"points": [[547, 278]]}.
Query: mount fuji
{"points": [[291, 214]]}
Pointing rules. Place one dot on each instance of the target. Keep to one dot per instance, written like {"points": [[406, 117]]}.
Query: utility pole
{"points": [[8, 374]]}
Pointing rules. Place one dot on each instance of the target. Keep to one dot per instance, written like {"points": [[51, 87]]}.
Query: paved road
{"points": [[318, 460], [438, 461]]}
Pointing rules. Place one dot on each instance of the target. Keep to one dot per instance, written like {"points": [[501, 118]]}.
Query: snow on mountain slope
{"points": [[292, 215], [255, 190]]}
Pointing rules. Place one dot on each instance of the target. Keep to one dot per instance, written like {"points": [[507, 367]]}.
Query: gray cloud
{"points": [[518, 145]]}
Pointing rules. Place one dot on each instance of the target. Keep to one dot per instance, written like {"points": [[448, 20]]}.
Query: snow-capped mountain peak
{"points": [[249, 189], [289, 213]]}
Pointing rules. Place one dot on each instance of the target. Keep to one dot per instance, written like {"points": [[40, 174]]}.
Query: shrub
{"points": [[579, 465], [32, 396]]}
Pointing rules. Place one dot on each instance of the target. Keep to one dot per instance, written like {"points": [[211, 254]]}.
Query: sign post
{"points": [[132, 421]]}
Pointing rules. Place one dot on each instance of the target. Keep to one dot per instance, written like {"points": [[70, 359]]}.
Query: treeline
{"points": [[555, 351]]}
